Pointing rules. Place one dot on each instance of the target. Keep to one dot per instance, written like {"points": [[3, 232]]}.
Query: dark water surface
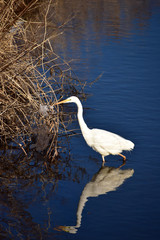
{"points": [[124, 100], [120, 39]]}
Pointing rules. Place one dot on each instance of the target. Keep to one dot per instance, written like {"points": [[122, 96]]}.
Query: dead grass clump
{"points": [[31, 76]]}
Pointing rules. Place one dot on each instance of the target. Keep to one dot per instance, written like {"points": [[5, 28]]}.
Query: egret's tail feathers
{"points": [[129, 145]]}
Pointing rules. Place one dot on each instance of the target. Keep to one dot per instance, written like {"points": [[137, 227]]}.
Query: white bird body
{"points": [[102, 141], [113, 144]]}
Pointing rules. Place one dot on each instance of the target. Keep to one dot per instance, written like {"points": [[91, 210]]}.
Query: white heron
{"points": [[102, 141]]}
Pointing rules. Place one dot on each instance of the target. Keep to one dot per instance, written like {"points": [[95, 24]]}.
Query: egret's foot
{"points": [[124, 162], [124, 157], [103, 161]]}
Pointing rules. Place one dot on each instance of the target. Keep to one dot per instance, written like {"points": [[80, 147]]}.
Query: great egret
{"points": [[103, 142]]}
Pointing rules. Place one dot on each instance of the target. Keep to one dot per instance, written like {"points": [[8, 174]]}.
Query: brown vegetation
{"points": [[31, 76]]}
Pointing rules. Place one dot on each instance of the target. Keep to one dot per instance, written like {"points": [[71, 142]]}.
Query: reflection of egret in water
{"points": [[107, 179]]}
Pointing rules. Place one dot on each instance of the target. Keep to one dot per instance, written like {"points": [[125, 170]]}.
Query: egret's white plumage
{"points": [[103, 142]]}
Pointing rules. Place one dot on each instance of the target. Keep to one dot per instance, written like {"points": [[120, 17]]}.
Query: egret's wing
{"points": [[106, 142]]}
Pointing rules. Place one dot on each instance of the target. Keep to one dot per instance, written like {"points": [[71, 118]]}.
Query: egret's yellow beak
{"points": [[64, 101]]}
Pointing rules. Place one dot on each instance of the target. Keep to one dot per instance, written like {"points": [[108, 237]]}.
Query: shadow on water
{"points": [[107, 179]]}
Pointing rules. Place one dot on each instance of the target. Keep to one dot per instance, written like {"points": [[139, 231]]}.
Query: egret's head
{"points": [[71, 99]]}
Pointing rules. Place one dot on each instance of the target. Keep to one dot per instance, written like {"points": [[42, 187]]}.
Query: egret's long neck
{"points": [[81, 121]]}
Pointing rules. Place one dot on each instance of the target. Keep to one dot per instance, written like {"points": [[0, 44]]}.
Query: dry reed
{"points": [[32, 75]]}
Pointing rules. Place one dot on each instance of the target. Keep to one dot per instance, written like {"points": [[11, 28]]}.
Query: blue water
{"points": [[125, 100], [116, 203]]}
